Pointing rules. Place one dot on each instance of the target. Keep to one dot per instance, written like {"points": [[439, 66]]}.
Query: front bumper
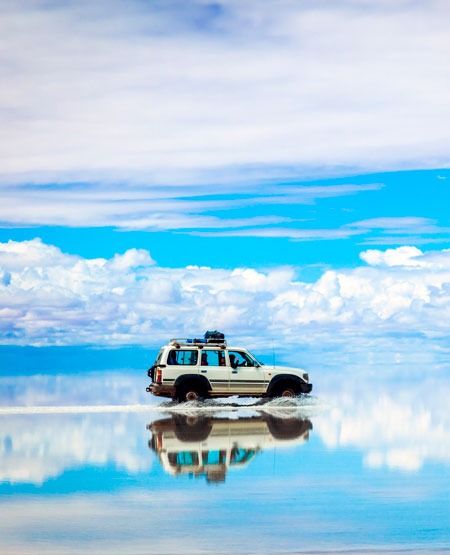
{"points": [[306, 387], [161, 390]]}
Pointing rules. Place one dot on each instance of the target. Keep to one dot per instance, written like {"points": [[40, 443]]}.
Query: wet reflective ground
{"points": [[349, 469]]}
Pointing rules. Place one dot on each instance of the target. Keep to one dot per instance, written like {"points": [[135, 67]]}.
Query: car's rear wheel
{"points": [[192, 395], [190, 392]]}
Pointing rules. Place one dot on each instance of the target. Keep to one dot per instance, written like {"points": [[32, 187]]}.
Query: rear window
{"points": [[183, 357], [158, 358]]}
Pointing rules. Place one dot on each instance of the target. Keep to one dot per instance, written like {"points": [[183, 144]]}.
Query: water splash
{"points": [[282, 407], [287, 406]]}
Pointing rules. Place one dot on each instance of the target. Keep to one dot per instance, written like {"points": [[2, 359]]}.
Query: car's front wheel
{"points": [[286, 389]]}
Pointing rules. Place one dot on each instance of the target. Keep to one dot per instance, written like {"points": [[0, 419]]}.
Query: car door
{"points": [[247, 377], [213, 365]]}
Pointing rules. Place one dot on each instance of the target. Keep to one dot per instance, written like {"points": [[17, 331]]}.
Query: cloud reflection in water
{"points": [[90, 481], [400, 427]]}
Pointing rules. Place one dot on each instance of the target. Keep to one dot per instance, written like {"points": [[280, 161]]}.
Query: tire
{"points": [[286, 389], [190, 392]]}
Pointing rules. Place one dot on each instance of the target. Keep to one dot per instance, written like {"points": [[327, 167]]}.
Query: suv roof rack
{"points": [[196, 342]]}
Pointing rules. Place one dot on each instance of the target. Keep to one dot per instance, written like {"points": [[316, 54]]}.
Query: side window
{"points": [[237, 358], [212, 358], [184, 357]]}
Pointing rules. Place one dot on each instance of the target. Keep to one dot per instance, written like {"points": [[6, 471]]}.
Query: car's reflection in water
{"points": [[209, 446]]}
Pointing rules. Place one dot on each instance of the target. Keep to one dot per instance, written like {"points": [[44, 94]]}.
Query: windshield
{"points": [[255, 360]]}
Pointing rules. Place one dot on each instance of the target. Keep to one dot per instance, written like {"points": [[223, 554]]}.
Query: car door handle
{"points": [[234, 371], [203, 371]]}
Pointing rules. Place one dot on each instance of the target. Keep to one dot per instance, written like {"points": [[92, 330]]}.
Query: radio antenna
{"points": [[273, 344]]}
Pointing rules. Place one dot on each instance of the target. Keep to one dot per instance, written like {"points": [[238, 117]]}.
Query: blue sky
{"points": [[264, 168], [325, 222]]}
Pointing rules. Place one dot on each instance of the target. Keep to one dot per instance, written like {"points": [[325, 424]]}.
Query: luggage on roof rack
{"points": [[214, 336]]}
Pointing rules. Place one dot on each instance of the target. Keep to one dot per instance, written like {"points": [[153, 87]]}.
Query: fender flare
{"points": [[194, 378], [284, 377]]}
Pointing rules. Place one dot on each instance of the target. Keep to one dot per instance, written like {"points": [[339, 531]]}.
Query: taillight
{"points": [[158, 375]]}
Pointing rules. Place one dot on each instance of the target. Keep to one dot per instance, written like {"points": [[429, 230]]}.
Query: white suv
{"points": [[193, 369]]}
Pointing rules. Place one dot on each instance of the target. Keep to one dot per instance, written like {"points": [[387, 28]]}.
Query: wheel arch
{"points": [[280, 378], [193, 378]]}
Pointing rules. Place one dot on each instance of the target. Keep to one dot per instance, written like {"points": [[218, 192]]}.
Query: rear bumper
{"points": [[161, 390]]}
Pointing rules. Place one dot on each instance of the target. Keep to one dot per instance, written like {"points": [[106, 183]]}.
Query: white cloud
{"points": [[401, 230], [399, 225], [49, 297], [128, 91], [285, 232], [403, 256], [161, 208], [408, 257]]}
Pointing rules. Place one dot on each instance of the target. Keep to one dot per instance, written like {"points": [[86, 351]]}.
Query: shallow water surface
{"points": [[348, 469]]}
